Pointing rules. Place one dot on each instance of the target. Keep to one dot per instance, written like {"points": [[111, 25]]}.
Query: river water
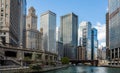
{"points": [[86, 69]]}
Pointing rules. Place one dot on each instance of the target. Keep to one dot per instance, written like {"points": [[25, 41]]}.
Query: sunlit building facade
{"points": [[12, 21], [85, 38], [34, 38], [80, 53], [114, 30], [48, 24]]}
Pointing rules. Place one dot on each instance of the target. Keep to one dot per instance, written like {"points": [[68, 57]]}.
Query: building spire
{"points": [[32, 11]]}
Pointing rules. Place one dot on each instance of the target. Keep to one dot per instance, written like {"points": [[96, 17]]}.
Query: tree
{"points": [[65, 60], [36, 67]]}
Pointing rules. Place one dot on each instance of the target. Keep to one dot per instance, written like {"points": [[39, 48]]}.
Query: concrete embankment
{"points": [[111, 66], [14, 69], [50, 69], [28, 70]]}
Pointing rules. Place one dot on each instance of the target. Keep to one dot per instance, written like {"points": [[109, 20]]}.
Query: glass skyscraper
{"points": [[114, 29], [69, 34], [48, 25], [22, 26], [85, 38], [94, 44]]}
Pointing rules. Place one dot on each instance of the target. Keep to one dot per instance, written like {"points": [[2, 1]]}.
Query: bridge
{"points": [[92, 62]]}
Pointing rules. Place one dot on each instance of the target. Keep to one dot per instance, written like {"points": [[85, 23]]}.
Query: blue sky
{"points": [[87, 10]]}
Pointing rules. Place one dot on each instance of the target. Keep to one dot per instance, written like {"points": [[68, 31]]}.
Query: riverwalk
{"points": [[50, 68], [28, 70]]}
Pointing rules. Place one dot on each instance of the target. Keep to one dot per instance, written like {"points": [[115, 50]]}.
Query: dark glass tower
{"points": [[69, 34]]}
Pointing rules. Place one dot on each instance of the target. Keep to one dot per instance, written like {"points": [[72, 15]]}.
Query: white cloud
{"points": [[101, 33], [107, 9]]}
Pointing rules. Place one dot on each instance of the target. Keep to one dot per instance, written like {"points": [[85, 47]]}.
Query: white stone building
{"points": [[33, 36]]}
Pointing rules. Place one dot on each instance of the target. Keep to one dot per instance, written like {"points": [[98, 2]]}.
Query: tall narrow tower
{"points": [[33, 36], [31, 19], [85, 38]]}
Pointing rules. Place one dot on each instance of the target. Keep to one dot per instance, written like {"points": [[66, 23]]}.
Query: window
{"points": [[28, 25], [6, 6], [4, 33], [1, 9], [1, 14], [2, 6]]}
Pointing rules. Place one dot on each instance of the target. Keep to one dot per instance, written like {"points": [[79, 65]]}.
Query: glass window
{"points": [[1, 14]]}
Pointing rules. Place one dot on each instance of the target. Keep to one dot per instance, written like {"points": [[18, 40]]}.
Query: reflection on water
{"points": [[86, 69]]}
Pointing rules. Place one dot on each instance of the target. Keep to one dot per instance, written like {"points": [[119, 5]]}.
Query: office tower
{"points": [[114, 30], [85, 37], [48, 24], [69, 34], [107, 37], [33, 36], [22, 26], [94, 44], [11, 18]]}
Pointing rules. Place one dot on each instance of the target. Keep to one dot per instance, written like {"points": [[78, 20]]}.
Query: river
{"points": [[86, 69]]}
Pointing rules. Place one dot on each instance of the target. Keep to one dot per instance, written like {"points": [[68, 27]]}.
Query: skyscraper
{"points": [[12, 13], [22, 26], [48, 24], [33, 36], [107, 36], [114, 30], [94, 44], [69, 34], [85, 38]]}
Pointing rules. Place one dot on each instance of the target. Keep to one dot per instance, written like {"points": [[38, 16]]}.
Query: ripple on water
{"points": [[86, 69]]}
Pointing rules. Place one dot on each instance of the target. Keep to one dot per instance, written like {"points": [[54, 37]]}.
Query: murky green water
{"points": [[86, 69]]}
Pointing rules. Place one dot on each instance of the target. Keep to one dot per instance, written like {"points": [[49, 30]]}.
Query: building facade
{"points": [[114, 34], [60, 48], [80, 53], [69, 34], [107, 37], [22, 26], [94, 44], [34, 38], [12, 16], [101, 53], [85, 38], [48, 24], [58, 34]]}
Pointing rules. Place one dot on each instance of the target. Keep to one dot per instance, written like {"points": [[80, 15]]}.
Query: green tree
{"points": [[36, 67], [65, 60], [27, 59]]}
